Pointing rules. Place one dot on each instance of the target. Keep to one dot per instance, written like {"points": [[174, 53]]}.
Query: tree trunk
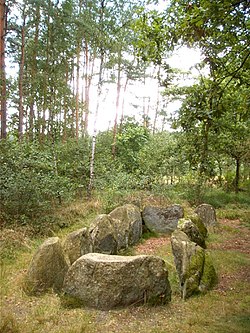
{"points": [[65, 104], [3, 114], [158, 102], [237, 176], [20, 83], [77, 89], [99, 92], [46, 75], [88, 78], [117, 104], [123, 103], [92, 160], [33, 77]]}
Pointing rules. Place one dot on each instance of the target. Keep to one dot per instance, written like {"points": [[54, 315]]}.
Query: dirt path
{"points": [[151, 245]]}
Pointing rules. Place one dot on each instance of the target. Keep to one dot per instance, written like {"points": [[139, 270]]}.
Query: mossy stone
{"points": [[195, 218], [193, 273], [209, 277]]}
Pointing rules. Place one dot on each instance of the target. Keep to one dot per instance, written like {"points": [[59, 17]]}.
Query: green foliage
{"points": [[30, 180], [73, 162], [161, 161], [132, 138], [149, 234]]}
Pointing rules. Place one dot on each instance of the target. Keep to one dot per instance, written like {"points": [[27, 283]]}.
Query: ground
{"points": [[223, 310]]}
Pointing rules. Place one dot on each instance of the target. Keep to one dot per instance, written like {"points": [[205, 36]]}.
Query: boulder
{"points": [[103, 235], [106, 281], [208, 215], [128, 225], [162, 220], [47, 269], [193, 264], [192, 231], [76, 244], [195, 218]]}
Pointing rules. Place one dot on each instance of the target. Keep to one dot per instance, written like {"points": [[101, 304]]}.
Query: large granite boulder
{"points": [[193, 264], [76, 244], [47, 268], [103, 235], [105, 281], [207, 214], [192, 231], [128, 225], [162, 220]]}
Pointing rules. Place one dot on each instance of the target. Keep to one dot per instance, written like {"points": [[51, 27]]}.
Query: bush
{"points": [[29, 181]]}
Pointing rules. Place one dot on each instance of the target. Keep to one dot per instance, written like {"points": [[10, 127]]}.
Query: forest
{"points": [[54, 53], [94, 114]]}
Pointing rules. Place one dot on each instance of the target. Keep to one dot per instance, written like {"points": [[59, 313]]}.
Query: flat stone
{"points": [[107, 281]]}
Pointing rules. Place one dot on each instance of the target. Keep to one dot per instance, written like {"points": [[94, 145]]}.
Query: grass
{"points": [[222, 310]]}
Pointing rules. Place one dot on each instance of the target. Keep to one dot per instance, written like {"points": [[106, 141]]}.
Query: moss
{"points": [[209, 277], [192, 276], [199, 224], [181, 222]]}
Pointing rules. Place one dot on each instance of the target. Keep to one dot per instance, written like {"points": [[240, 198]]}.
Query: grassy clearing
{"points": [[222, 310]]}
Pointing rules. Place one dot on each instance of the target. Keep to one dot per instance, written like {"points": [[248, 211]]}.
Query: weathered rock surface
{"points": [[103, 235], [207, 214], [162, 220], [76, 244], [106, 282], [192, 231], [128, 225], [193, 264], [47, 269], [195, 218]]}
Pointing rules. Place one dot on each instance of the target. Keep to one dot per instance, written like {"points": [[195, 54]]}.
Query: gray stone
{"points": [[192, 231], [47, 268], [195, 218], [207, 214], [105, 282], [103, 235], [128, 225], [193, 264], [162, 220], [76, 244]]}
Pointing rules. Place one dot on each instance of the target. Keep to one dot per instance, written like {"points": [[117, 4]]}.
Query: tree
{"points": [[21, 74], [3, 114], [162, 160], [219, 30], [99, 91], [130, 141], [233, 136]]}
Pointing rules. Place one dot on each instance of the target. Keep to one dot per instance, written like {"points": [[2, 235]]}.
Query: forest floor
{"points": [[225, 309]]}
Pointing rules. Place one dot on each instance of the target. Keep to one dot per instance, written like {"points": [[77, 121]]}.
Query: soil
{"points": [[238, 242], [151, 245]]}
